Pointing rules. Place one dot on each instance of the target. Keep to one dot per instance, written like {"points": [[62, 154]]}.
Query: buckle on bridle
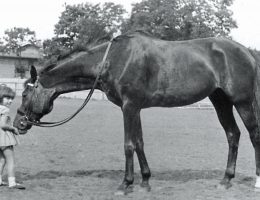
{"points": [[24, 119]]}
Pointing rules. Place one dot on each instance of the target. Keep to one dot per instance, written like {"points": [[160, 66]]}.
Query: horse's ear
{"points": [[33, 73]]}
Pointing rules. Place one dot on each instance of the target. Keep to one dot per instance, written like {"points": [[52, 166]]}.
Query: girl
{"points": [[8, 138]]}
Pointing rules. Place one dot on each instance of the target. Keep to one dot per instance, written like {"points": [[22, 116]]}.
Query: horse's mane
{"points": [[52, 63], [75, 49], [131, 34], [141, 32]]}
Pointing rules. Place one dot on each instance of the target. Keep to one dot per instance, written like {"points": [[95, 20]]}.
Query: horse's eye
{"points": [[30, 87], [25, 92]]}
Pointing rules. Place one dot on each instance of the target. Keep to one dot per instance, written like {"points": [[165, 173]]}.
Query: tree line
{"points": [[82, 24]]}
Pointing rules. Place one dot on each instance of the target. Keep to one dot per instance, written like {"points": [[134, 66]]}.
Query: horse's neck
{"points": [[77, 73], [68, 84], [68, 79]]}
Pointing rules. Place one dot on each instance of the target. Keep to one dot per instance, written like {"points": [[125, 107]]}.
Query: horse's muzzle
{"points": [[22, 124]]}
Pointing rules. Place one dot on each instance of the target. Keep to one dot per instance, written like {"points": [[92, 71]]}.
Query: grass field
{"points": [[84, 159]]}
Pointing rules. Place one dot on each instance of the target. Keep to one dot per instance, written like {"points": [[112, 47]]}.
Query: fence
{"points": [[17, 85]]}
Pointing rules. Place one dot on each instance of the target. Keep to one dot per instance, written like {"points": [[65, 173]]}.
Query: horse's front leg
{"points": [[146, 174], [131, 117]]}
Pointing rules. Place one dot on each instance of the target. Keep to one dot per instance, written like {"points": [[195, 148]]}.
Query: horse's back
{"points": [[176, 73], [200, 66]]}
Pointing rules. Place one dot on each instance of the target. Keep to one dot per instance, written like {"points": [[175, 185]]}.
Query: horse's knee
{"points": [[129, 149], [139, 145], [233, 136], [233, 143]]}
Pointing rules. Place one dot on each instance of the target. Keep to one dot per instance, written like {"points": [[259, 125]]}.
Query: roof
{"points": [[29, 45]]}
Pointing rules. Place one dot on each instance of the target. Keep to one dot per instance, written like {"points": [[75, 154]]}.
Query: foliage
{"points": [[20, 69], [182, 19], [17, 37], [82, 24], [53, 47], [13, 41], [1, 45]]}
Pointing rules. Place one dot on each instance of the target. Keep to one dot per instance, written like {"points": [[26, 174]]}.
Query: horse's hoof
{"points": [[119, 193], [224, 186], [145, 188], [123, 190]]}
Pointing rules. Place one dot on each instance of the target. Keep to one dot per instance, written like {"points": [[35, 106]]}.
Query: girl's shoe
{"points": [[17, 186], [3, 184]]}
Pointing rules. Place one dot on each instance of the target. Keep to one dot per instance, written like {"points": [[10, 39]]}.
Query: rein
{"points": [[53, 124]]}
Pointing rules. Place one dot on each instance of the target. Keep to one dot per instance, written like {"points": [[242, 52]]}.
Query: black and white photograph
{"points": [[130, 99]]}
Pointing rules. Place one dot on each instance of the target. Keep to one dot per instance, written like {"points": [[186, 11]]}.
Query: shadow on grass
{"points": [[181, 176]]}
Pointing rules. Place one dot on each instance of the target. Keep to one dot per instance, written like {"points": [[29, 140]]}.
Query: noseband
{"points": [[26, 115]]}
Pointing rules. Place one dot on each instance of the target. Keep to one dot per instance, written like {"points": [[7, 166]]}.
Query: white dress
{"points": [[7, 138]]}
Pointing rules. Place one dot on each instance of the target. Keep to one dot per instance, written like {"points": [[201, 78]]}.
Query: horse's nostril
{"points": [[23, 123]]}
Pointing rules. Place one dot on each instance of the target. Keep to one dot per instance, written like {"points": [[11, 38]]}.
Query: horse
{"points": [[139, 71]]}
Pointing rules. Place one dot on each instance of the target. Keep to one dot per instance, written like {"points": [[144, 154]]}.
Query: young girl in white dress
{"points": [[8, 138]]}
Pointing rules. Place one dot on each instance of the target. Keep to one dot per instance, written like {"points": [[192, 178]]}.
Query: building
{"points": [[30, 55]]}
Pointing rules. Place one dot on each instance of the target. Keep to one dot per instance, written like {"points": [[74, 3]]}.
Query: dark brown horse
{"points": [[142, 72]]}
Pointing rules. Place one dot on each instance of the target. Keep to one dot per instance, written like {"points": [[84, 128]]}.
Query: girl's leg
{"points": [[9, 156], [2, 165]]}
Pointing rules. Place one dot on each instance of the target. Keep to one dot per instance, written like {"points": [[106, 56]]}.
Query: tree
{"points": [[182, 19], [14, 39], [1, 45], [53, 47], [82, 24]]}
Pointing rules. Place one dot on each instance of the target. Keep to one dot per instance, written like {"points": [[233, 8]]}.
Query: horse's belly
{"points": [[169, 100], [181, 94]]}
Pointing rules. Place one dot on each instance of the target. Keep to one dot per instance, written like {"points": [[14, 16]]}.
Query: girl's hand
{"points": [[15, 131]]}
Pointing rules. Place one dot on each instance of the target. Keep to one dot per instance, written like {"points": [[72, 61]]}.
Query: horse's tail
{"points": [[256, 102]]}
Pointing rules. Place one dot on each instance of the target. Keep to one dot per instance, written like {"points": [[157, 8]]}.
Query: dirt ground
{"points": [[84, 159]]}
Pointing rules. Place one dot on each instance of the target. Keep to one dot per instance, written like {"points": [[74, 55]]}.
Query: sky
{"points": [[41, 16]]}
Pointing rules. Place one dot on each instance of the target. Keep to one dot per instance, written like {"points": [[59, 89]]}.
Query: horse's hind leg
{"points": [[248, 111], [224, 109]]}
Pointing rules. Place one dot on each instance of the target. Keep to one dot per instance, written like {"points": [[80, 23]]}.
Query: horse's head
{"points": [[37, 101]]}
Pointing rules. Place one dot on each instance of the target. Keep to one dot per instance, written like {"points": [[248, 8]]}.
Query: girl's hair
{"points": [[6, 91]]}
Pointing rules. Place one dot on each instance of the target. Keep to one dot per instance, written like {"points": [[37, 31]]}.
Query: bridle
{"points": [[58, 123]]}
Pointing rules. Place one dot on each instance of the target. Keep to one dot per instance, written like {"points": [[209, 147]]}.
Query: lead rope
{"points": [[53, 124]]}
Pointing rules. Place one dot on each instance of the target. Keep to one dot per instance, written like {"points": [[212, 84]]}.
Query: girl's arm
{"points": [[5, 126]]}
